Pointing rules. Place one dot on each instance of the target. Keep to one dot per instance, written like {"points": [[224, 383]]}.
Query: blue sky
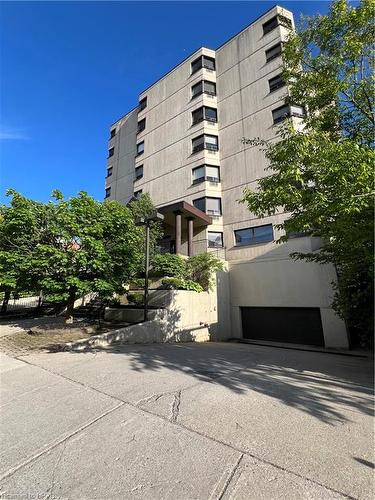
{"points": [[70, 69]]}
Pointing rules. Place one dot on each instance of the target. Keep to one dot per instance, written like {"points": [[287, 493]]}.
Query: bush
{"points": [[201, 269], [168, 264], [136, 298], [181, 284]]}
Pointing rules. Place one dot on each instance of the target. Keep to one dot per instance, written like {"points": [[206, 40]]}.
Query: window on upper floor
{"points": [[141, 125], [205, 173], [203, 87], [140, 148], [112, 133], [276, 21], [205, 141], [276, 83], [204, 113], [143, 104], [203, 62], [209, 205], [279, 114], [109, 171], [273, 52], [139, 172], [111, 152], [215, 239], [254, 235], [107, 192], [137, 194]]}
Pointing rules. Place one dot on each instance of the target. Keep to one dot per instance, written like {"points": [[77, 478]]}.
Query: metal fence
{"points": [[19, 302]]}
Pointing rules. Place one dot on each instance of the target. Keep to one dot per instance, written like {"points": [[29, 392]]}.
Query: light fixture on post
{"points": [[146, 221]]}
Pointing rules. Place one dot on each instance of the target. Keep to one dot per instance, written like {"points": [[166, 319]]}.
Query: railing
{"points": [[199, 247]]}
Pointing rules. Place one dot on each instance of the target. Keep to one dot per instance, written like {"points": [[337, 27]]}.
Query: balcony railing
{"points": [[199, 247]]}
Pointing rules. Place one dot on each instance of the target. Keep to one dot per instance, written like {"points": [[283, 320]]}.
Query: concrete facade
{"points": [[163, 167]]}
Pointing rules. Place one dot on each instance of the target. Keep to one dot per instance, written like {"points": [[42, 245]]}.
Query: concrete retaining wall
{"points": [[186, 317]]}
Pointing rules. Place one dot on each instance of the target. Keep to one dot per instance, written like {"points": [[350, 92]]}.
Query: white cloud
{"points": [[12, 134]]}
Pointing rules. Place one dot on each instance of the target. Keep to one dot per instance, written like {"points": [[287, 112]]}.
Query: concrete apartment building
{"points": [[183, 144]]}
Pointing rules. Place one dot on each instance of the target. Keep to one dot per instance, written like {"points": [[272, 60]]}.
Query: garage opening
{"points": [[295, 325]]}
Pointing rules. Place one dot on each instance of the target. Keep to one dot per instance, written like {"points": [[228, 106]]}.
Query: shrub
{"points": [[168, 264], [136, 298], [181, 284], [201, 269]]}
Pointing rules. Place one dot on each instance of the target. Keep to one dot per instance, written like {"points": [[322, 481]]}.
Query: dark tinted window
{"points": [[111, 152], [142, 103], [109, 171], [270, 25], [107, 192], [273, 52], [141, 125], [208, 62], [254, 235], [139, 172], [113, 133], [276, 83], [140, 148]]}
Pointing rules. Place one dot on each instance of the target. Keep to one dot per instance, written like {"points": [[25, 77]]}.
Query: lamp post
{"points": [[146, 221]]}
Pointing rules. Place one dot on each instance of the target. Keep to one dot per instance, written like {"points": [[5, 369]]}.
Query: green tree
{"points": [[69, 247], [321, 174]]}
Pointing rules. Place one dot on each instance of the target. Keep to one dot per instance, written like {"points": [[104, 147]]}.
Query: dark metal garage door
{"points": [[297, 325]]}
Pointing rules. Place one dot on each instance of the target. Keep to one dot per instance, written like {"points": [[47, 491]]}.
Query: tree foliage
{"points": [[68, 247], [321, 174]]}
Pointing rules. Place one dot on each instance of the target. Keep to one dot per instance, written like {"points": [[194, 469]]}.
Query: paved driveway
{"points": [[192, 421]]}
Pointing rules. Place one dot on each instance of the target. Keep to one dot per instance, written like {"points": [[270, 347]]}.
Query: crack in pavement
{"points": [[165, 419], [175, 407], [229, 478]]}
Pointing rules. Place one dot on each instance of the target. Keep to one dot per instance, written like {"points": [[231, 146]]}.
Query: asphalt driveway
{"points": [[188, 421]]}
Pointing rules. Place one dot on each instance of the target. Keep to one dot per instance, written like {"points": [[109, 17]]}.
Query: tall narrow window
{"points": [[279, 114], [213, 206], [109, 171], [107, 192], [273, 52], [143, 104], [209, 87], [141, 125], [140, 148], [276, 83], [197, 89], [139, 172], [254, 235], [209, 63], [111, 152], [112, 133]]}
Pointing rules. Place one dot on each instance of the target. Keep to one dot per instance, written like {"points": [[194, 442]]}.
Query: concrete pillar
{"points": [[178, 231], [190, 232]]}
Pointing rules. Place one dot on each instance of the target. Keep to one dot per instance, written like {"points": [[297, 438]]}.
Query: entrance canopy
{"points": [[193, 218], [186, 210]]}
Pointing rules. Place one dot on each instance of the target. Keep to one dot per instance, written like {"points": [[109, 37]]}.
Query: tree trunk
{"points": [[70, 307], [5, 302]]}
